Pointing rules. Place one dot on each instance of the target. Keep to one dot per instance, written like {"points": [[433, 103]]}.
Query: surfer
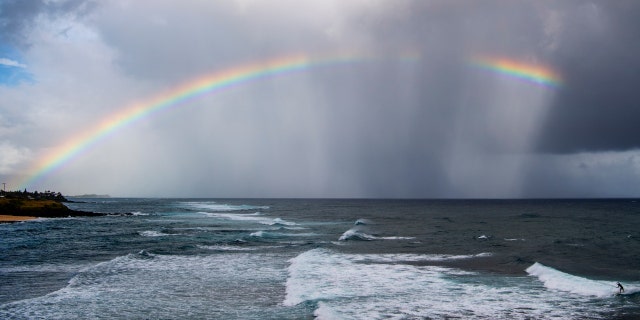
{"points": [[620, 287]]}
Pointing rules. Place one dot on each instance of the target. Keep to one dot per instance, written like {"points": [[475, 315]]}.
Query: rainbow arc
{"points": [[179, 95], [533, 73], [239, 75]]}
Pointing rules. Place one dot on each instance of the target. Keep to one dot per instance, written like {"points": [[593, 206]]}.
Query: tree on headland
{"points": [[47, 195]]}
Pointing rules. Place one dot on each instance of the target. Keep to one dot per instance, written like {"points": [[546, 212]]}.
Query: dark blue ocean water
{"points": [[330, 259]]}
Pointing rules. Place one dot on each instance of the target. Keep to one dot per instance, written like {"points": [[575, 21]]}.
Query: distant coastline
{"points": [[91, 196]]}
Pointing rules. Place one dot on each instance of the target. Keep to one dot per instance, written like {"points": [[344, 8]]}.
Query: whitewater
{"points": [[325, 259]]}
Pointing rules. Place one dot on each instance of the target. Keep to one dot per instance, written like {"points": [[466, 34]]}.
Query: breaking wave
{"points": [[276, 235], [251, 217], [153, 233], [387, 286], [113, 289], [355, 234], [557, 280], [221, 207]]}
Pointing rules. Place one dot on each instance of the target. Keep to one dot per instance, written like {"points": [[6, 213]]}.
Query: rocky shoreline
{"points": [[13, 210]]}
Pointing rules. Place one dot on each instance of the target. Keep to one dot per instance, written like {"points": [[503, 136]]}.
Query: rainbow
{"points": [[181, 94], [537, 74]]}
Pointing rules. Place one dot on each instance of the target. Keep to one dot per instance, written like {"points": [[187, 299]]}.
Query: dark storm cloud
{"points": [[17, 16], [406, 123], [598, 108], [594, 45]]}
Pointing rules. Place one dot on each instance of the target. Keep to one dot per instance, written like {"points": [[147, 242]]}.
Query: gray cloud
{"points": [[15, 16], [597, 109], [18, 17], [430, 124]]}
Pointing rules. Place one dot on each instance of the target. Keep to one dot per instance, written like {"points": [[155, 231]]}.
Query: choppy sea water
{"points": [[328, 259]]}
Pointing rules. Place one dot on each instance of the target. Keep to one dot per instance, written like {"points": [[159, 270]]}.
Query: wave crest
{"points": [[356, 234], [558, 280], [221, 207], [353, 234]]}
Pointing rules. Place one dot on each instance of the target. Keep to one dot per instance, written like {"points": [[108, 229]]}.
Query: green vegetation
{"points": [[37, 204], [47, 195]]}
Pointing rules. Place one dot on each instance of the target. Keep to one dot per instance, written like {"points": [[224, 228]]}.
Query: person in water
{"points": [[620, 286]]}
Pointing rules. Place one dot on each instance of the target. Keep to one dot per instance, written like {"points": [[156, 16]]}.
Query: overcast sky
{"points": [[414, 118]]}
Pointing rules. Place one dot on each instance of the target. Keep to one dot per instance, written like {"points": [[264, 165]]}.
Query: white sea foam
{"points": [[256, 217], [356, 234], [222, 247], [325, 312], [557, 280], [278, 221], [46, 267], [42, 220], [295, 228], [396, 238], [270, 234], [320, 274], [258, 234], [114, 289], [383, 286], [221, 207], [401, 257], [153, 233]]}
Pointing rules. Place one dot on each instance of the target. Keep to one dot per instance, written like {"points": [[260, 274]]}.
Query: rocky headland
{"points": [[22, 205], [40, 208]]}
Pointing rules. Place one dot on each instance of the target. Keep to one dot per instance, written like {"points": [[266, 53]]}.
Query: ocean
{"points": [[325, 259]]}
